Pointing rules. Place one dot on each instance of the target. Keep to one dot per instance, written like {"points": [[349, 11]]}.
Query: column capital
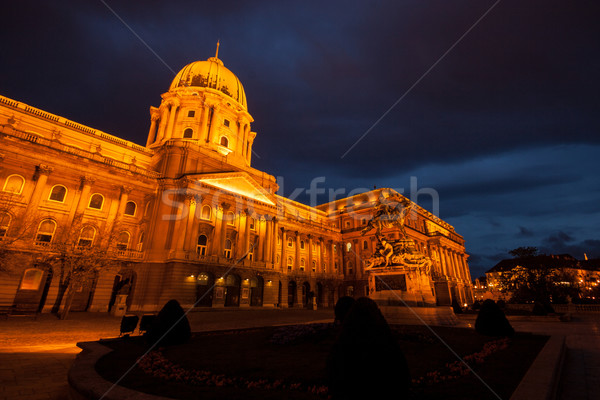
{"points": [[225, 206], [87, 180], [44, 169], [126, 189]]}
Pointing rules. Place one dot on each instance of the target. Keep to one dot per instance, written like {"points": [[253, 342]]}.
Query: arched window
{"points": [[45, 232], [278, 239], [252, 223], [302, 264], [86, 237], [140, 245], [363, 221], [350, 269], [250, 255], [302, 244], [365, 245], [123, 240], [188, 133], [206, 212], [96, 201], [348, 247], [230, 218], [227, 249], [290, 263], [58, 193], [224, 141], [130, 208], [278, 259], [201, 246], [314, 266], [32, 278], [5, 220], [290, 242], [14, 184]]}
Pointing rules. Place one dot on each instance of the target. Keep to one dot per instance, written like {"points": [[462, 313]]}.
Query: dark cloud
{"points": [[318, 75], [524, 232]]}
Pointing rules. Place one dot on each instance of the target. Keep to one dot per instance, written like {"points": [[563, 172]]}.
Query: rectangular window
{"points": [[226, 122], [191, 114]]}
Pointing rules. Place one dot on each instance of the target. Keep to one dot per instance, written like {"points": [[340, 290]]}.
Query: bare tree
{"points": [[76, 262], [15, 228]]}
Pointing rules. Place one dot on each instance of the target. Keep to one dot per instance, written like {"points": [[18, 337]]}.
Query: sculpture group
{"points": [[393, 212]]}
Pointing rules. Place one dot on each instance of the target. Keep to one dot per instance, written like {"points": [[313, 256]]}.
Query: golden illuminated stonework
{"points": [[187, 217]]}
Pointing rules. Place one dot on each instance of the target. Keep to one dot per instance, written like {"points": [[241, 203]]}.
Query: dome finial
{"points": [[217, 52]]}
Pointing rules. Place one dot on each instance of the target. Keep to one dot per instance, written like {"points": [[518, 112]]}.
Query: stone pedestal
{"points": [[120, 307], [398, 285]]}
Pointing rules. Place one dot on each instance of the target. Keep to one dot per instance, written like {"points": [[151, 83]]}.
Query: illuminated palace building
{"points": [[186, 217]]}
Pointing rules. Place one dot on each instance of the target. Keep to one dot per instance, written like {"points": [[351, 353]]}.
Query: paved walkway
{"points": [[581, 372], [35, 355]]}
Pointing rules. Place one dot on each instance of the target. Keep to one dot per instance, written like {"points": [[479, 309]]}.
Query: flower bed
{"points": [[290, 362]]}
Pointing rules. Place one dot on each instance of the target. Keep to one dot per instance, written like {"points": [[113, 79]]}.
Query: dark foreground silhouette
{"points": [[366, 361]]}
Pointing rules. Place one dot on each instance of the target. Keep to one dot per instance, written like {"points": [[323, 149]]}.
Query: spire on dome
{"points": [[217, 52]]}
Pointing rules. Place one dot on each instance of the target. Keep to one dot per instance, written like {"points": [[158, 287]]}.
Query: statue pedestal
{"points": [[398, 285], [120, 307]]}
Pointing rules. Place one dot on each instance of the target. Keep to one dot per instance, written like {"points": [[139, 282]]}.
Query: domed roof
{"points": [[212, 74]]}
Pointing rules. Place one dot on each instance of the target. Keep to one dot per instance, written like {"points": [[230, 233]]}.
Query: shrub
{"points": [[491, 321], [456, 307], [171, 326], [476, 305], [502, 304]]}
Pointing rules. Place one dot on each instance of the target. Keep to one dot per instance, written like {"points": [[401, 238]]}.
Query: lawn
{"points": [[295, 357]]}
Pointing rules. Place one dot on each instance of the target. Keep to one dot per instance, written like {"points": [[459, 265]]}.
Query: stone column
{"points": [[86, 183], [223, 234], [191, 236], [320, 257], [443, 265], [268, 233], [162, 123], [466, 267], [171, 124], [357, 263], [332, 258], [247, 235], [297, 260], [116, 213], [310, 255], [153, 128], [260, 232], [41, 177], [283, 260], [274, 230], [240, 249], [213, 125], [202, 135], [191, 201]]}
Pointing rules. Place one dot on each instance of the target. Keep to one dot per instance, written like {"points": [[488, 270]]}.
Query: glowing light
{"points": [[240, 183]]}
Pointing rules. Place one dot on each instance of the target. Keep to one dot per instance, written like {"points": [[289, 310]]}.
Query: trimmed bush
{"points": [[491, 321], [171, 326], [456, 307]]}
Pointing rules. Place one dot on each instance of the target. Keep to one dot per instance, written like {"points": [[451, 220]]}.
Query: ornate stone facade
{"points": [[187, 217]]}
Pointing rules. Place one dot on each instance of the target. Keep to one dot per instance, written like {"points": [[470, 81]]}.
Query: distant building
{"points": [[188, 216], [586, 273]]}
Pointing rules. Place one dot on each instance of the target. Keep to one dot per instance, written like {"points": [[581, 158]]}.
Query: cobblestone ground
{"points": [[580, 378], [35, 355]]}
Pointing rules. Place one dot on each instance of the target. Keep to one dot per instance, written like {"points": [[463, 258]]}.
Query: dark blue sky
{"points": [[505, 128]]}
